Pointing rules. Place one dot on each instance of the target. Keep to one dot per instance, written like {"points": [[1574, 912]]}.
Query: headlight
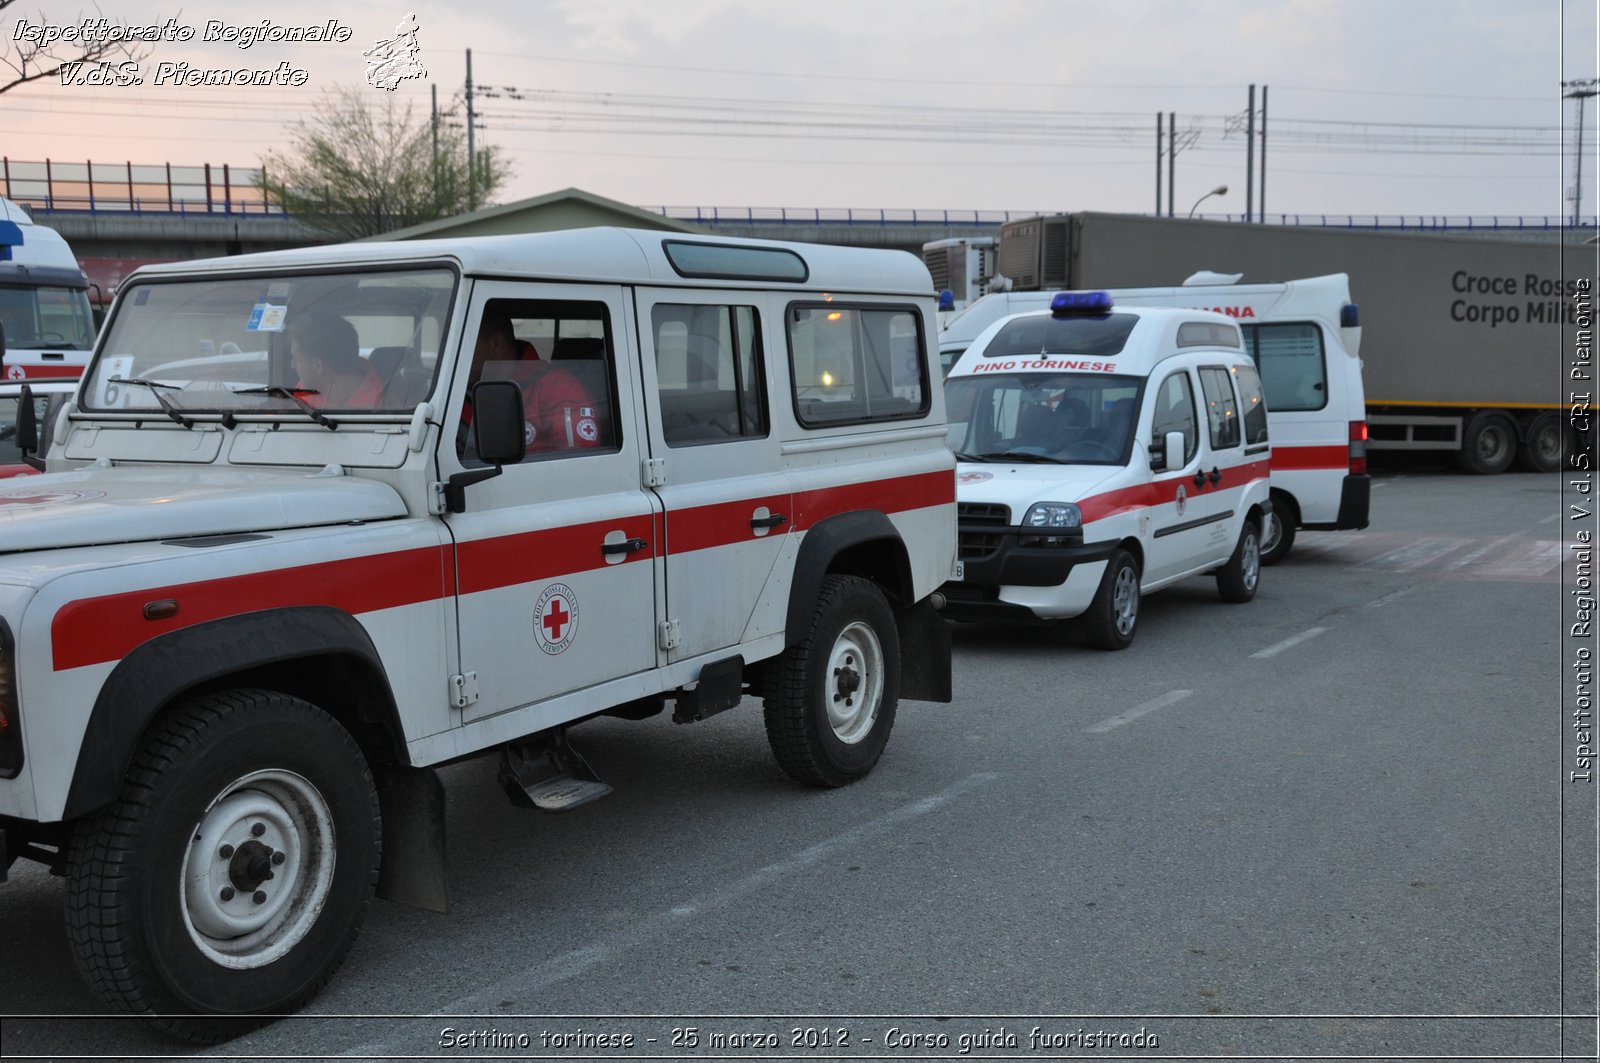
{"points": [[1053, 515]]}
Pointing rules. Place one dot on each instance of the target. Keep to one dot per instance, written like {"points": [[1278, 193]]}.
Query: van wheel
{"points": [[830, 699], [229, 878], [1277, 532], [1113, 616], [1238, 579], [1541, 447], [1488, 443]]}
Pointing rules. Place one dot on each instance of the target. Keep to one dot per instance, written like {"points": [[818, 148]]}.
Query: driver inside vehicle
{"points": [[326, 354]]}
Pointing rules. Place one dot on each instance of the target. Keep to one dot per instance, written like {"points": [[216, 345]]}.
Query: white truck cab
{"points": [[46, 326], [1104, 452], [320, 520]]}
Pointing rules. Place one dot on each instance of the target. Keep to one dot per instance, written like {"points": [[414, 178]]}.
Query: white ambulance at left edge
{"points": [[1104, 452]]}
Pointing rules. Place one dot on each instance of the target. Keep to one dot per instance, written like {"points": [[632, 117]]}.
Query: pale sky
{"points": [[1375, 107]]}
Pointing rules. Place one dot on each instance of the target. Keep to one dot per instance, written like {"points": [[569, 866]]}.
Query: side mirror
{"points": [[2, 343], [28, 428], [1170, 455], [498, 427]]}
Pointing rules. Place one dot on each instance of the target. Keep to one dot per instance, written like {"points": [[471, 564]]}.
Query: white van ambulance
{"points": [[1105, 452], [1305, 339], [46, 326], [260, 594]]}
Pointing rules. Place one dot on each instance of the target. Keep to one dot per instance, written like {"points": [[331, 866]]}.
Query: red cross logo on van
{"points": [[555, 618]]}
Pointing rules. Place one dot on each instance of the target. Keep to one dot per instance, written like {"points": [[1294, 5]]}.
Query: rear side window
{"points": [[1292, 363], [708, 367], [854, 364], [1222, 412], [1255, 406]]}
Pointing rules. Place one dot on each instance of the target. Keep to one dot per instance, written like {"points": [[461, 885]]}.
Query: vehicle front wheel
{"points": [[1113, 616], [830, 700], [1238, 579], [229, 878]]}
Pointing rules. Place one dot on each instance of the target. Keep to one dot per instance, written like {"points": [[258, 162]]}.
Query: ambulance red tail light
{"points": [[1358, 448]]}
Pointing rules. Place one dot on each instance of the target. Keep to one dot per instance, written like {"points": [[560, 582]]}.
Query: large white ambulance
{"points": [[1104, 452], [1305, 338], [46, 326]]}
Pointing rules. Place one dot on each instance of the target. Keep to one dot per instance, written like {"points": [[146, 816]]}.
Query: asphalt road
{"points": [[1327, 823]]}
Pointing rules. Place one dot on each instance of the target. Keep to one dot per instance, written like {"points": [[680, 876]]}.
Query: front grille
{"points": [[975, 521]]}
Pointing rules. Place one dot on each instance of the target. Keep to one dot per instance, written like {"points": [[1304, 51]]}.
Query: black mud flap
{"points": [[924, 653], [548, 774], [412, 802], [720, 687]]}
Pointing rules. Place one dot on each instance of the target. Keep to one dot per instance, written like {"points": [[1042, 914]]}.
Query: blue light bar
{"points": [[947, 300], [1349, 316], [1065, 303]]}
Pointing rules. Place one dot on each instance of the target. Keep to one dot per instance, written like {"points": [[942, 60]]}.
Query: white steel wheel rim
{"points": [[273, 823], [1125, 600], [1250, 568], [853, 686], [1271, 533]]}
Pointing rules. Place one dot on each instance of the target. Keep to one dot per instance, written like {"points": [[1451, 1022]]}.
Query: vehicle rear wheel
{"points": [[830, 700], [1277, 532], [1238, 579], [1113, 616], [1488, 443], [1541, 449], [231, 875]]}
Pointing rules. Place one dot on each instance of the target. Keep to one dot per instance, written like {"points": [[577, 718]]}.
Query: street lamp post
{"points": [[1220, 190]]}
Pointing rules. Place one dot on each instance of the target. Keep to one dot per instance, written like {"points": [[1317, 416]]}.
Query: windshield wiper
{"points": [[976, 458], [167, 405], [293, 395], [1025, 456]]}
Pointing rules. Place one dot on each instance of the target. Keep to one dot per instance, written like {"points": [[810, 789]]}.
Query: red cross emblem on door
{"points": [[555, 618]]}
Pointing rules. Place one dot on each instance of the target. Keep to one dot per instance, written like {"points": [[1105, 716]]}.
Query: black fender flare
{"points": [[206, 655], [824, 542]]}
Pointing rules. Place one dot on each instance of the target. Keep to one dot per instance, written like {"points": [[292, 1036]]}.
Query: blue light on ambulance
{"points": [[1064, 304]]}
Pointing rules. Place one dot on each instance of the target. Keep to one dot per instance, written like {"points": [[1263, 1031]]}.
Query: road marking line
{"points": [[1111, 723], [1278, 647], [1552, 518], [1493, 544], [526, 984], [1379, 603]]}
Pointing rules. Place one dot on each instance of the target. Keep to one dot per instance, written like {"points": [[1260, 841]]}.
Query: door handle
{"points": [[1200, 480], [1215, 477], [627, 546], [776, 520]]}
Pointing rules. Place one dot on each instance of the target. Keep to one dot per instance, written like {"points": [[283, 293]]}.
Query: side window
{"points": [[1255, 406], [1175, 413], [852, 364], [1293, 364], [559, 352], [709, 372], [1222, 413]]}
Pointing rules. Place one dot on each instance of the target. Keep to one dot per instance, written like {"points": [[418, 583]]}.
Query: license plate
{"points": [[960, 572]]}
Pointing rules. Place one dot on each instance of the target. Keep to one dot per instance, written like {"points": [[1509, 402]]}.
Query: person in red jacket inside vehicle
{"points": [[559, 413], [326, 354]]}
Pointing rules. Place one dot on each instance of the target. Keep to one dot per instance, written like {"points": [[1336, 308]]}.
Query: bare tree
{"points": [[361, 169], [35, 57]]}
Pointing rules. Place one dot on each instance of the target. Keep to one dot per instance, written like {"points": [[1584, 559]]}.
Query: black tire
{"points": [[1488, 443], [1277, 534], [1238, 579], [1113, 616], [221, 791], [1542, 446], [830, 699]]}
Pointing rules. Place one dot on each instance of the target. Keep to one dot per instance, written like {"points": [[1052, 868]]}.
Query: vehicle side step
{"points": [[548, 774]]}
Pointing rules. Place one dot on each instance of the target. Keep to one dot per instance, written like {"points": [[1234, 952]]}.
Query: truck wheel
{"points": [[830, 699], [1541, 449], [1277, 534], [1238, 579], [1113, 616], [229, 878], [1488, 443]]}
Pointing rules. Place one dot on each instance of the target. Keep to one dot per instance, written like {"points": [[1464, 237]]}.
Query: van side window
{"points": [[1222, 413], [708, 370], [853, 364], [1292, 363], [1175, 413], [1255, 405], [559, 353]]}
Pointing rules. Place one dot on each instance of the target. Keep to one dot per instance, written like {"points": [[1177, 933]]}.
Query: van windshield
{"points": [[1066, 418], [360, 342], [41, 317]]}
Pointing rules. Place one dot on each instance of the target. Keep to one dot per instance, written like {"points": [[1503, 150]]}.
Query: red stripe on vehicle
{"points": [[1331, 457], [1099, 507], [890, 496], [526, 557], [722, 523], [95, 630]]}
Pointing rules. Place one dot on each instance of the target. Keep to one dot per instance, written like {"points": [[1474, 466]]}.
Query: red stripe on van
{"points": [[1285, 458], [1099, 507]]}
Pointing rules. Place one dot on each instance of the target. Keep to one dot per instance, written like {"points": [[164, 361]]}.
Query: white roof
{"points": [[619, 256], [1152, 341]]}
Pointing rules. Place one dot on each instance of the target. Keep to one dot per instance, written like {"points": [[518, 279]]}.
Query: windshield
{"points": [[359, 342], [1067, 418], [38, 318]]}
